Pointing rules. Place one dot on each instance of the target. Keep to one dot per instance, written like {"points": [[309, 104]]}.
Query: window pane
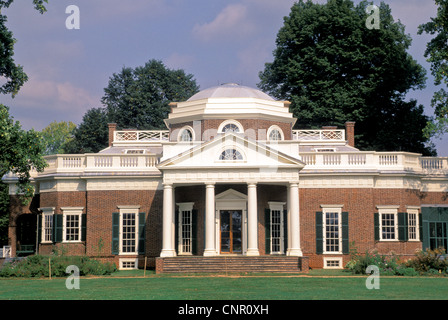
{"points": [[332, 232], [128, 232]]}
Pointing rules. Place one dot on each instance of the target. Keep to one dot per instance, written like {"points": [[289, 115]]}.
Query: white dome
{"points": [[230, 90]]}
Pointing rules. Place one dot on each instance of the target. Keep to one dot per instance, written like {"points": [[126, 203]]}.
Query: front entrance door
{"points": [[230, 227]]}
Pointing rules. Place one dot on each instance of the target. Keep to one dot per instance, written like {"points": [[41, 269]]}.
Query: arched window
{"points": [[185, 135], [230, 126], [231, 154], [275, 133]]}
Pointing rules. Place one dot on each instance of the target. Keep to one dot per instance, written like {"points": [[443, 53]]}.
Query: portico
{"points": [[231, 219]]}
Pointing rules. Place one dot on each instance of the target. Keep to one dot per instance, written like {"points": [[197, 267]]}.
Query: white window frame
{"points": [[277, 206], [179, 135], [234, 122], [71, 211], [47, 213], [123, 262], [185, 207], [331, 209], [123, 210], [388, 210], [272, 128], [411, 210]]}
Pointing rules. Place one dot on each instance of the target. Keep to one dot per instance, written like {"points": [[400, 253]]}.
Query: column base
{"points": [[167, 253], [252, 252], [210, 253], [294, 252]]}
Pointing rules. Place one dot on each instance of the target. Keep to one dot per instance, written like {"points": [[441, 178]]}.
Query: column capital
{"points": [[252, 184], [210, 184]]}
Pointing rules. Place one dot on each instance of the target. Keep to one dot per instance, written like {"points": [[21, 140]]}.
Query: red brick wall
{"points": [[360, 203], [254, 128]]}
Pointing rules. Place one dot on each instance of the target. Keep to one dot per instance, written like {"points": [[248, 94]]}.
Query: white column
{"points": [[252, 220], [210, 249], [167, 244], [294, 250]]}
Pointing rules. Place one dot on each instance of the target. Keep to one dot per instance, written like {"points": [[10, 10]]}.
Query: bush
{"points": [[387, 265], [37, 266], [429, 262]]}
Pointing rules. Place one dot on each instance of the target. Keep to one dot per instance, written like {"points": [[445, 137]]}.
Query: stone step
{"points": [[224, 264]]}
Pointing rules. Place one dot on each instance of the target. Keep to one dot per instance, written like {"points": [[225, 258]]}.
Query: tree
{"points": [[57, 135], [437, 54], [334, 69], [14, 75], [91, 135], [21, 152], [138, 98], [134, 99]]}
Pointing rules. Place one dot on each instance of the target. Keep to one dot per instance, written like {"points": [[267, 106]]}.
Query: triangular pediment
{"points": [[214, 154], [230, 194]]}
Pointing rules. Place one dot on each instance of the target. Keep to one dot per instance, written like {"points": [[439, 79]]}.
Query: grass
{"points": [[318, 285]]}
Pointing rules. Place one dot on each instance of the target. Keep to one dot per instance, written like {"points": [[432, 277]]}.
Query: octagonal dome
{"points": [[230, 90]]}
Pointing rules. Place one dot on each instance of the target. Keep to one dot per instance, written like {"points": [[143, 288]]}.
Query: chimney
{"points": [[350, 133], [112, 128]]}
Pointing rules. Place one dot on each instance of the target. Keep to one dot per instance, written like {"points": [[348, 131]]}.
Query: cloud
{"points": [[232, 22], [179, 61], [39, 102]]}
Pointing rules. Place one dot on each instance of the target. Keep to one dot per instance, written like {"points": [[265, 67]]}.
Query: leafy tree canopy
{"points": [[57, 135], [13, 74], [437, 54], [20, 150], [334, 69], [135, 98], [138, 98]]}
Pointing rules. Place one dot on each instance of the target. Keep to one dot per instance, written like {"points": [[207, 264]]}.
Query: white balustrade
{"points": [[319, 135], [141, 135]]}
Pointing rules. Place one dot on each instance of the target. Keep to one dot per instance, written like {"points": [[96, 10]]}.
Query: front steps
{"points": [[232, 264]]}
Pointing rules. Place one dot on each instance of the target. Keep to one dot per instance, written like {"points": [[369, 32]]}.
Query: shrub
{"points": [[429, 262], [387, 265], [37, 266]]}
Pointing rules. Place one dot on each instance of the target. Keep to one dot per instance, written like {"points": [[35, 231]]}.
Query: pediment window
{"points": [[231, 155]]}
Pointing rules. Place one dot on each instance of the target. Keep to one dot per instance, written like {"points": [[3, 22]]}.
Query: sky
{"points": [[216, 41]]}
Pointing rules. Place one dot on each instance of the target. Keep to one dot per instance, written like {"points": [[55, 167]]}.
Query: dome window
{"points": [[231, 126], [275, 133], [185, 135]]}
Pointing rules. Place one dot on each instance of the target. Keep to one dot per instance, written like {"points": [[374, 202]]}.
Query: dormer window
{"points": [[231, 154]]}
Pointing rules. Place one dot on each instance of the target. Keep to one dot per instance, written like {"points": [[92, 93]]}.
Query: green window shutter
{"points": [[176, 231], [402, 226], [115, 232], [194, 232], [376, 224], [319, 233], [141, 232], [424, 228], [39, 229], [58, 226], [345, 236], [267, 230], [285, 230], [83, 227], [420, 226]]}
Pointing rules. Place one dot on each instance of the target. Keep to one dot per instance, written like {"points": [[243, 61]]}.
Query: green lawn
{"points": [[318, 285]]}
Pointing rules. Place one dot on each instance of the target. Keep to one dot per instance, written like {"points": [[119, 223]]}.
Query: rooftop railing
{"points": [[101, 162], [319, 135], [383, 161], [141, 136]]}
